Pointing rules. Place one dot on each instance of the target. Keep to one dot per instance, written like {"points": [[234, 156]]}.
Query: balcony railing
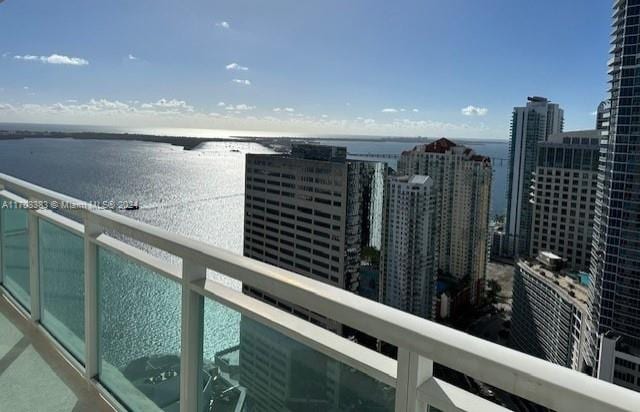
{"points": [[139, 327]]}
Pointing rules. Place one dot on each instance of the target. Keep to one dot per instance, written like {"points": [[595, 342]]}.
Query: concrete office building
{"points": [[313, 212], [563, 196], [462, 187], [615, 255], [549, 311], [530, 125], [320, 215], [408, 270]]}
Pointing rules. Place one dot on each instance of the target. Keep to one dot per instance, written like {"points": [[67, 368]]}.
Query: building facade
{"points": [[313, 212], [549, 312], [615, 255], [530, 125], [462, 187], [563, 196], [408, 270], [617, 363]]}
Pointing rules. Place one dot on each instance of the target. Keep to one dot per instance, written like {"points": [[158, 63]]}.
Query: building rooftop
{"points": [[589, 137], [444, 145], [327, 153], [565, 282], [414, 179]]}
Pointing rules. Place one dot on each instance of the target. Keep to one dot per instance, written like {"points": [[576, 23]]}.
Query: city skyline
{"points": [[300, 68]]}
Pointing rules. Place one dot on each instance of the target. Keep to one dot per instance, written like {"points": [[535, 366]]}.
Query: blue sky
{"points": [[401, 68]]}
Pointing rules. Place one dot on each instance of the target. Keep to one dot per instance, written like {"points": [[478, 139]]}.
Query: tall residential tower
{"points": [[615, 255], [462, 188], [530, 125], [408, 271]]}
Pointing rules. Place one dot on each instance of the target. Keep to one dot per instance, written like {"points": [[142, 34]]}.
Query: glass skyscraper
{"points": [[615, 262], [529, 126]]}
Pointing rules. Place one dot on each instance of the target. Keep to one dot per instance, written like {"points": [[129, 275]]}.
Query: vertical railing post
{"points": [[34, 264], [91, 232], [413, 371], [191, 336]]}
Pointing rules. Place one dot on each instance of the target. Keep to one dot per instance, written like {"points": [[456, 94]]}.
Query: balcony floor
{"points": [[34, 376]]}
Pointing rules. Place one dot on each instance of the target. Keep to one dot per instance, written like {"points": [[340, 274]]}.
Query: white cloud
{"points": [[243, 82], [474, 111], [54, 59], [389, 110], [132, 57], [284, 109], [221, 104], [236, 66], [170, 105], [224, 24], [239, 107], [415, 110], [102, 104], [171, 112]]}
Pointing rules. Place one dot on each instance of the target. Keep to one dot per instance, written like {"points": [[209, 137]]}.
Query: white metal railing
{"points": [[420, 342]]}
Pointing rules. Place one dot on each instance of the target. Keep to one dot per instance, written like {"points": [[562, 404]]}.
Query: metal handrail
{"points": [[542, 382]]}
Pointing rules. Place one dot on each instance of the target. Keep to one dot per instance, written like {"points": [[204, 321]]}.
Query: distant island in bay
{"points": [[278, 144]]}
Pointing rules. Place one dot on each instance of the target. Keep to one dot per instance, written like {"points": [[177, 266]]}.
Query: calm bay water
{"points": [[195, 193]]}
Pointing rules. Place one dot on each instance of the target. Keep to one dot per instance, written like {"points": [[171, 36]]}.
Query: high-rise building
{"points": [[530, 125], [563, 196], [318, 214], [408, 270], [615, 255], [549, 311], [313, 212], [462, 188]]}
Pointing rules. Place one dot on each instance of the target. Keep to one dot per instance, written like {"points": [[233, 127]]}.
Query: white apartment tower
{"points": [[462, 190], [530, 125], [408, 271]]}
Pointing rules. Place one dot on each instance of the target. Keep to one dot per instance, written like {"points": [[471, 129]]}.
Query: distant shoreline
{"points": [[278, 144]]}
